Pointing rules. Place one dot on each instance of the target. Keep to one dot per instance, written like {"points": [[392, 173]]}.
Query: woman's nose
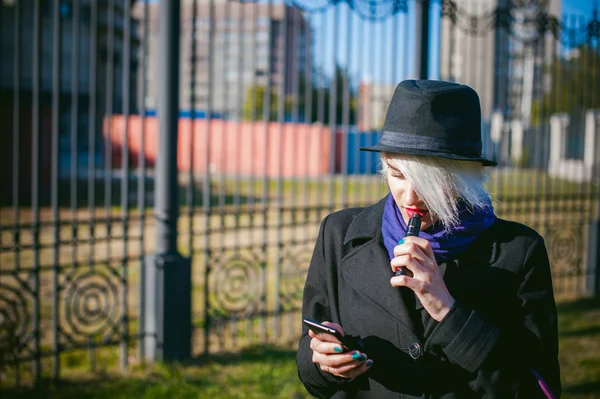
{"points": [[411, 197]]}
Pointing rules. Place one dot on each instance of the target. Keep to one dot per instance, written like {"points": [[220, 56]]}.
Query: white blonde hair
{"points": [[441, 183]]}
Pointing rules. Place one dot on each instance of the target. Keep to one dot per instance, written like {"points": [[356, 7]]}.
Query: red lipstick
{"points": [[411, 211]]}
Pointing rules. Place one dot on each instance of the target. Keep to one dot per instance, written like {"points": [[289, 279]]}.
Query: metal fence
{"points": [[166, 166]]}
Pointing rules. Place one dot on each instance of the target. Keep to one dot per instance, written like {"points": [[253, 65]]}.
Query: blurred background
{"points": [[166, 165]]}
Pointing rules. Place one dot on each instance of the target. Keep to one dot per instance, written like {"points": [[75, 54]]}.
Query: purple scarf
{"points": [[445, 245]]}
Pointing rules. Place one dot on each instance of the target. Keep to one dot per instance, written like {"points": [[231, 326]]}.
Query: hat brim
{"points": [[429, 153]]}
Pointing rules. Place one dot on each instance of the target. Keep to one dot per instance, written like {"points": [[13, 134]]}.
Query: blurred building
{"points": [[77, 87], [507, 72], [373, 101], [253, 44]]}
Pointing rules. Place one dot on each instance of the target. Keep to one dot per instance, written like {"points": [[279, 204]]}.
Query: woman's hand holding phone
{"points": [[328, 353]]}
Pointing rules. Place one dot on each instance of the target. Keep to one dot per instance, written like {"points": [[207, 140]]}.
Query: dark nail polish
{"points": [[356, 355], [362, 358], [369, 363]]}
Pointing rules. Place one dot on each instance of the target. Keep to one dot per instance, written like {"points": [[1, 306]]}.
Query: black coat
{"points": [[502, 325]]}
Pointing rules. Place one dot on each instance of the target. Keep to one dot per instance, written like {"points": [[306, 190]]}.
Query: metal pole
{"points": [[168, 274], [422, 37]]}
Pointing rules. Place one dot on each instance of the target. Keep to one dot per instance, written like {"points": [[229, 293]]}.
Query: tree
{"points": [[320, 101], [575, 85]]}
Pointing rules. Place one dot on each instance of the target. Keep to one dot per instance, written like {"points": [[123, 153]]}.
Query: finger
{"points": [[409, 262], [345, 369], [325, 347], [413, 250], [424, 244], [338, 360], [356, 371], [335, 326], [323, 337], [404, 281]]}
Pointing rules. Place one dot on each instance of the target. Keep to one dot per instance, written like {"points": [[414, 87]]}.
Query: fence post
{"points": [[167, 285], [422, 39], [592, 161]]}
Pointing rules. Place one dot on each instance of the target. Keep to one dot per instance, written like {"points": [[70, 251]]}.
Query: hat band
{"points": [[428, 143]]}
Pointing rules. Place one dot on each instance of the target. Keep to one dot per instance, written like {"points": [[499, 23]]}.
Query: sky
{"points": [[383, 52], [373, 55]]}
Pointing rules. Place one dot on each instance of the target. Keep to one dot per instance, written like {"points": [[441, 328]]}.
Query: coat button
{"points": [[414, 350]]}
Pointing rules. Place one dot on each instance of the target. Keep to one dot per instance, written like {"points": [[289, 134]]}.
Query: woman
{"points": [[474, 317]]}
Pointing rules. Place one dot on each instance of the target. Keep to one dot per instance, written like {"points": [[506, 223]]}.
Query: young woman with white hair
{"points": [[474, 315]]}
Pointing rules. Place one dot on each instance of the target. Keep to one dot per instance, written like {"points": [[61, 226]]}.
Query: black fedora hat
{"points": [[433, 118]]}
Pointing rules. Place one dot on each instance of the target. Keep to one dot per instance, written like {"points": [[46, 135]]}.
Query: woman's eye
{"points": [[398, 176]]}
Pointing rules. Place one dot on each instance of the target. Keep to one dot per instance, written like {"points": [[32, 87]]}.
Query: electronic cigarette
{"points": [[412, 230]]}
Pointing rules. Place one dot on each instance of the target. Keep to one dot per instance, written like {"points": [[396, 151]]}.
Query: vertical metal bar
{"points": [[586, 54], [370, 67], [171, 291], [295, 103], [595, 88], [93, 123], [238, 180], [422, 39], [126, 87], [379, 64], [142, 180], [241, 24], [74, 127], [333, 113], [206, 191], [321, 113], [107, 122], [56, 89], [35, 184], [538, 137], [191, 184], [296, 37], [346, 110], [92, 145], [166, 168], [16, 137], [266, 179], [279, 184], [308, 119], [250, 114]]}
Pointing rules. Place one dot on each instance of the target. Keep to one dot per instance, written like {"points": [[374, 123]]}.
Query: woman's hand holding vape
{"points": [[328, 353], [425, 278]]}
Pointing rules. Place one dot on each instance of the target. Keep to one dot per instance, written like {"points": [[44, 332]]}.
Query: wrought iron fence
{"points": [[110, 181]]}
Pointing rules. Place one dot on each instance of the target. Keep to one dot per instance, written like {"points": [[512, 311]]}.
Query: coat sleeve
{"points": [[502, 357], [315, 306]]}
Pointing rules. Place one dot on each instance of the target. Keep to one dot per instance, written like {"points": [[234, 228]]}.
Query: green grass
{"points": [[579, 329], [270, 372]]}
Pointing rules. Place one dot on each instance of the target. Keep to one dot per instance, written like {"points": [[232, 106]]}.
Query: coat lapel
{"points": [[368, 271]]}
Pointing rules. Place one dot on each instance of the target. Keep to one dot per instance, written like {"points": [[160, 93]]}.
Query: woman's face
{"points": [[406, 198]]}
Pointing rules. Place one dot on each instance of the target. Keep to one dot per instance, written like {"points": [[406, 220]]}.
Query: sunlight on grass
{"points": [[270, 372]]}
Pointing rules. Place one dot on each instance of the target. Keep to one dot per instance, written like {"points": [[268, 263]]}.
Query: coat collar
{"points": [[369, 271], [367, 224]]}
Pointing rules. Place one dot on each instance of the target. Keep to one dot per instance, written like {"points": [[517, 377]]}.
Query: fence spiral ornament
{"points": [[14, 316], [235, 283], [91, 305], [564, 247], [293, 276]]}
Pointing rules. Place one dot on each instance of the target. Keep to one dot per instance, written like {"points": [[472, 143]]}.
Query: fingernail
{"points": [[356, 355], [369, 363], [362, 358], [401, 241], [337, 349]]}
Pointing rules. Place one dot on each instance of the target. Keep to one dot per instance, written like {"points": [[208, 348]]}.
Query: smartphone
{"points": [[319, 328]]}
